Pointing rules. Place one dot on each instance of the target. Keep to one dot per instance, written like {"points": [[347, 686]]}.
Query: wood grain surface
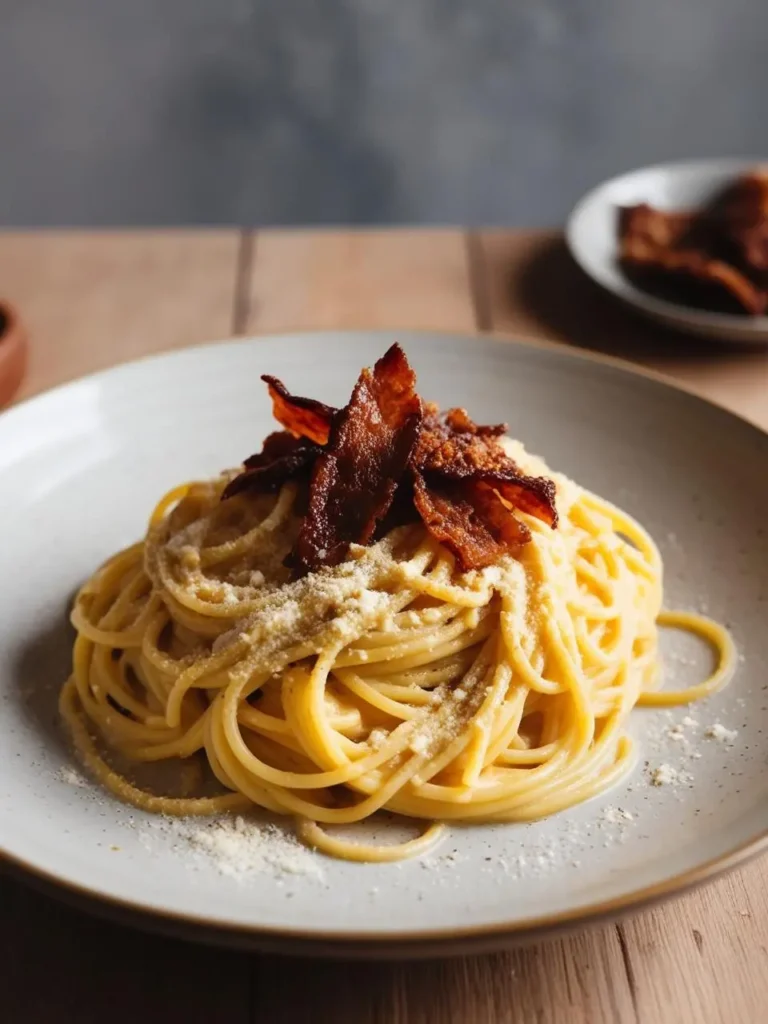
{"points": [[92, 300]]}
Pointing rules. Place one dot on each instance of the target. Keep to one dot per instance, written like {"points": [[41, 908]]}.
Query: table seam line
{"points": [[241, 299], [629, 970], [478, 281]]}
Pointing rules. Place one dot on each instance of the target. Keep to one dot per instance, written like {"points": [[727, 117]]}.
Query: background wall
{"points": [[361, 111]]}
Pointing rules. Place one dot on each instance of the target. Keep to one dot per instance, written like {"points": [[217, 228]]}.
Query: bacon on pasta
{"points": [[386, 459]]}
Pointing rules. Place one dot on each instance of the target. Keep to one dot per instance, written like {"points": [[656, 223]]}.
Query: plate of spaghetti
{"points": [[378, 645]]}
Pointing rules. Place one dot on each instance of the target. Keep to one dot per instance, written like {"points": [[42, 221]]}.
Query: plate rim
{"points": [[502, 337], [412, 942], [742, 330], [371, 945]]}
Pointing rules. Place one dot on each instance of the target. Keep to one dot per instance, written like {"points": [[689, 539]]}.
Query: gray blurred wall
{"points": [[362, 111]]}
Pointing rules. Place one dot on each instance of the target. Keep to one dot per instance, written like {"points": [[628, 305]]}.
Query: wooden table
{"points": [[92, 300]]}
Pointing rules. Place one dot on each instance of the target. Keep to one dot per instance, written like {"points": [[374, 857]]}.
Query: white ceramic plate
{"points": [[591, 237], [81, 467]]}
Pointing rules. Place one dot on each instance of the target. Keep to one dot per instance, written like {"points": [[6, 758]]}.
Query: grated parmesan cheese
{"points": [[667, 775], [617, 815], [72, 777], [377, 738], [720, 733], [239, 848], [419, 744], [676, 732]]}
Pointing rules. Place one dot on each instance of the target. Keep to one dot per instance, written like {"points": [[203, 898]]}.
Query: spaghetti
{"points": [[394, 680]]}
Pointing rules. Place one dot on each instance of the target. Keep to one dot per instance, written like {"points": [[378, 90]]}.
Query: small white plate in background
{"points": [[591, 234]]}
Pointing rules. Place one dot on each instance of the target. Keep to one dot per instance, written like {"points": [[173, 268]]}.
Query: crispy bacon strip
{"points": [[282, 458], [687, 256], [693, 277], [384, 460], [743, 204], [470, 520], [532, 494], [304, 417], [460, 423], [474, 454], [739, 219], [644, 229], [368, 451]]}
